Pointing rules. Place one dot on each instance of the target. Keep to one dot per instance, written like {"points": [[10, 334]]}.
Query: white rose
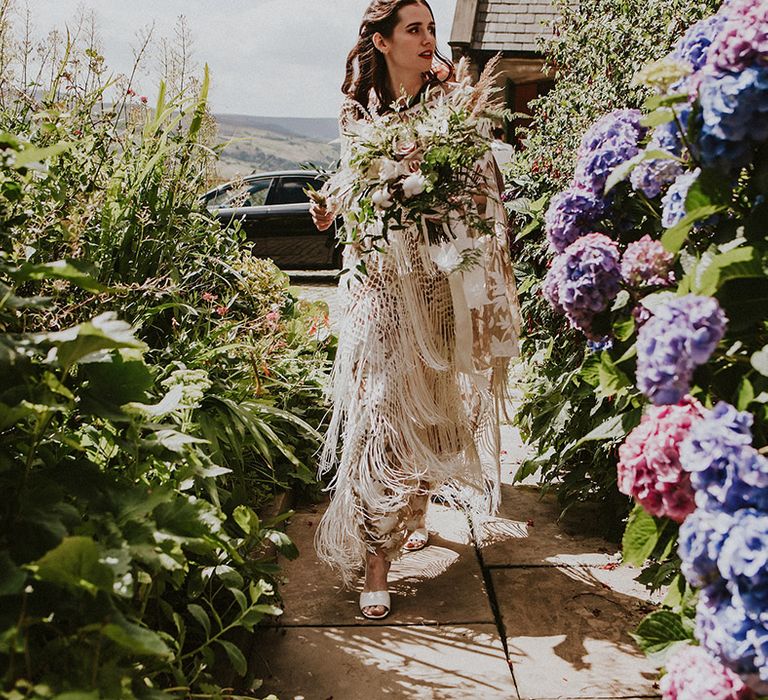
{"points": [[414, 184], [389, 169], [381, 198]]}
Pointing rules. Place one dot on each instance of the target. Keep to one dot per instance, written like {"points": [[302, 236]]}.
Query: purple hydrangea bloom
{"points": [[743, 561], [725, 629], [571, 214], [734, 116], [551, 285], [701, 538], [743, 39], [651, 176], [693, 47], [599, 345], [673, 202], [584, 279], [646, 263], [726, 471], [612, 140], [681, 335]]}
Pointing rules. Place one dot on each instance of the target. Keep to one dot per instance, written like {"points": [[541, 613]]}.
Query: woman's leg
{"points": [[416, 522], [376, 571]]}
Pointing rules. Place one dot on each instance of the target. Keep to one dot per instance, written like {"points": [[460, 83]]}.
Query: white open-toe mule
{"points": [[369, 599], [416, 540]]}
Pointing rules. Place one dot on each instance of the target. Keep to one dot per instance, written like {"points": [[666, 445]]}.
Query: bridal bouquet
{"points": [[418, 167]]}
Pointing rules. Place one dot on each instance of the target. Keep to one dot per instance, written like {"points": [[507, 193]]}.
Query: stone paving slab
{"points": [[442, 583], [527, 532], [383, 662], [570, 639]]}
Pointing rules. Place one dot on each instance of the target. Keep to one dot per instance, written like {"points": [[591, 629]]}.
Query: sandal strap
{"points": [[369, 599]]}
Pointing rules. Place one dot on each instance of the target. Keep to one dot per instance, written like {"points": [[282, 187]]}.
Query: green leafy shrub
{"points": [[596, 49]]}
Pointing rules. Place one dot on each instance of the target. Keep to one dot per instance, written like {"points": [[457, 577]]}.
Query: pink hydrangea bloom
{"points": [[646, 263], [743, 40], [692, 674], [649, 466]]}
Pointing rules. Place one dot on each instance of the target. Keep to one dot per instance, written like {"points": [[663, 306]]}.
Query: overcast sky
{"points": [[267, 57]]}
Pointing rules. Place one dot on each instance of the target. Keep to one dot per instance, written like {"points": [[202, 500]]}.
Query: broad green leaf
{"points": [[640, 537], [124, 378], [746, 394], [202, 618], [12, 578], [100, 333], [136, 639], [229, 577], [171, 402], [660, 629], [666, 100], [235, 656], [246, 519], [75, 563], [31, 157], [738, 263], [612, 379], [73, 271], [614, 428], [283, 543], [172, 440], [660, 116], [673, 238]]}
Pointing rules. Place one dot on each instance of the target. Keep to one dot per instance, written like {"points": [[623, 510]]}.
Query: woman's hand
{"points": [[321, 215]]}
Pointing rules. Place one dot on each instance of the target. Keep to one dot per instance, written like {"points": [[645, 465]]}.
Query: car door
{"points": [[247, 203], [289, 235]]}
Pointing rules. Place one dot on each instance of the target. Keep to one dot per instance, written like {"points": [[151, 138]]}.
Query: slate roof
{"points": [[511, 25]]}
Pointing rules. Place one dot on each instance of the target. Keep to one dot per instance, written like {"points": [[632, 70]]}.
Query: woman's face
{"points": [[412, 44]]}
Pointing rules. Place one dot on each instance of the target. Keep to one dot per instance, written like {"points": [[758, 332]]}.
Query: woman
{"points": [[419, 374]]}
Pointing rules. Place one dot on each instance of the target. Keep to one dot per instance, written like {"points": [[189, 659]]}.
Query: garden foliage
{"points": [[157, 386], [663, 262], [575, 406]]}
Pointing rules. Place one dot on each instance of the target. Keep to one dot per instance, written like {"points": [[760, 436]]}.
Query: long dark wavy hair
{"points": [[366, 67]]}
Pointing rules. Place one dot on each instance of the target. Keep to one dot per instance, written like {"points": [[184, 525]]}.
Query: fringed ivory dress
{"points": [[418, 384]]}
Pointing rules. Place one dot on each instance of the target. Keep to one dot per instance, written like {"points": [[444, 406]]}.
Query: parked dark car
{"points": [[274, 214]]}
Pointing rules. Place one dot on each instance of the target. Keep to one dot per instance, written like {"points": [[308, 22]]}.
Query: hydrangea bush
{"points": [[678, 194]]}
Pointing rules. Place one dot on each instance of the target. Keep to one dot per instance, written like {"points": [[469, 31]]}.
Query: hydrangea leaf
{"points": [[640, 537]]}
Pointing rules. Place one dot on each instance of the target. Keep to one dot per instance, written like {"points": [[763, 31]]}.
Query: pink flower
{"points": [[646, 263], [692, 674], [207, 296], [130, 92], [222, 310], [649, 466], [143, 99], [273, 316], [743, 40]]}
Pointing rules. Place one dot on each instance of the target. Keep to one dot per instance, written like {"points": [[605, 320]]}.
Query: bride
{"points": [[420, 372]]}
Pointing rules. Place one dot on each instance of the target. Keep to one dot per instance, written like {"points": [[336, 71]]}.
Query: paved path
{"points": [[528, 607]]}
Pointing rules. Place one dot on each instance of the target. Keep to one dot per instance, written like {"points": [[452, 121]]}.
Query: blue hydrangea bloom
{"points": [[692, 47], [651, 176], [612, 140], [726, 471], [571, 214], [743, 561], [681, 335], [599, 345], [701, 538], [727, 631], [734, 116], [673, 202]]}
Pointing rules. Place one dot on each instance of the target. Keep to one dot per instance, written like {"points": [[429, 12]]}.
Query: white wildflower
{"points": [[382, 199], [414, 184], [390, 169]]}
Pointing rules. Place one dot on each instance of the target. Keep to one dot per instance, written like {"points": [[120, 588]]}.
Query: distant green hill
{"points": [[273, 143]]}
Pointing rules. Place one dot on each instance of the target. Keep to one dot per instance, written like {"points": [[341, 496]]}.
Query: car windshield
{"points": [[242, 194], [291, 190]]}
